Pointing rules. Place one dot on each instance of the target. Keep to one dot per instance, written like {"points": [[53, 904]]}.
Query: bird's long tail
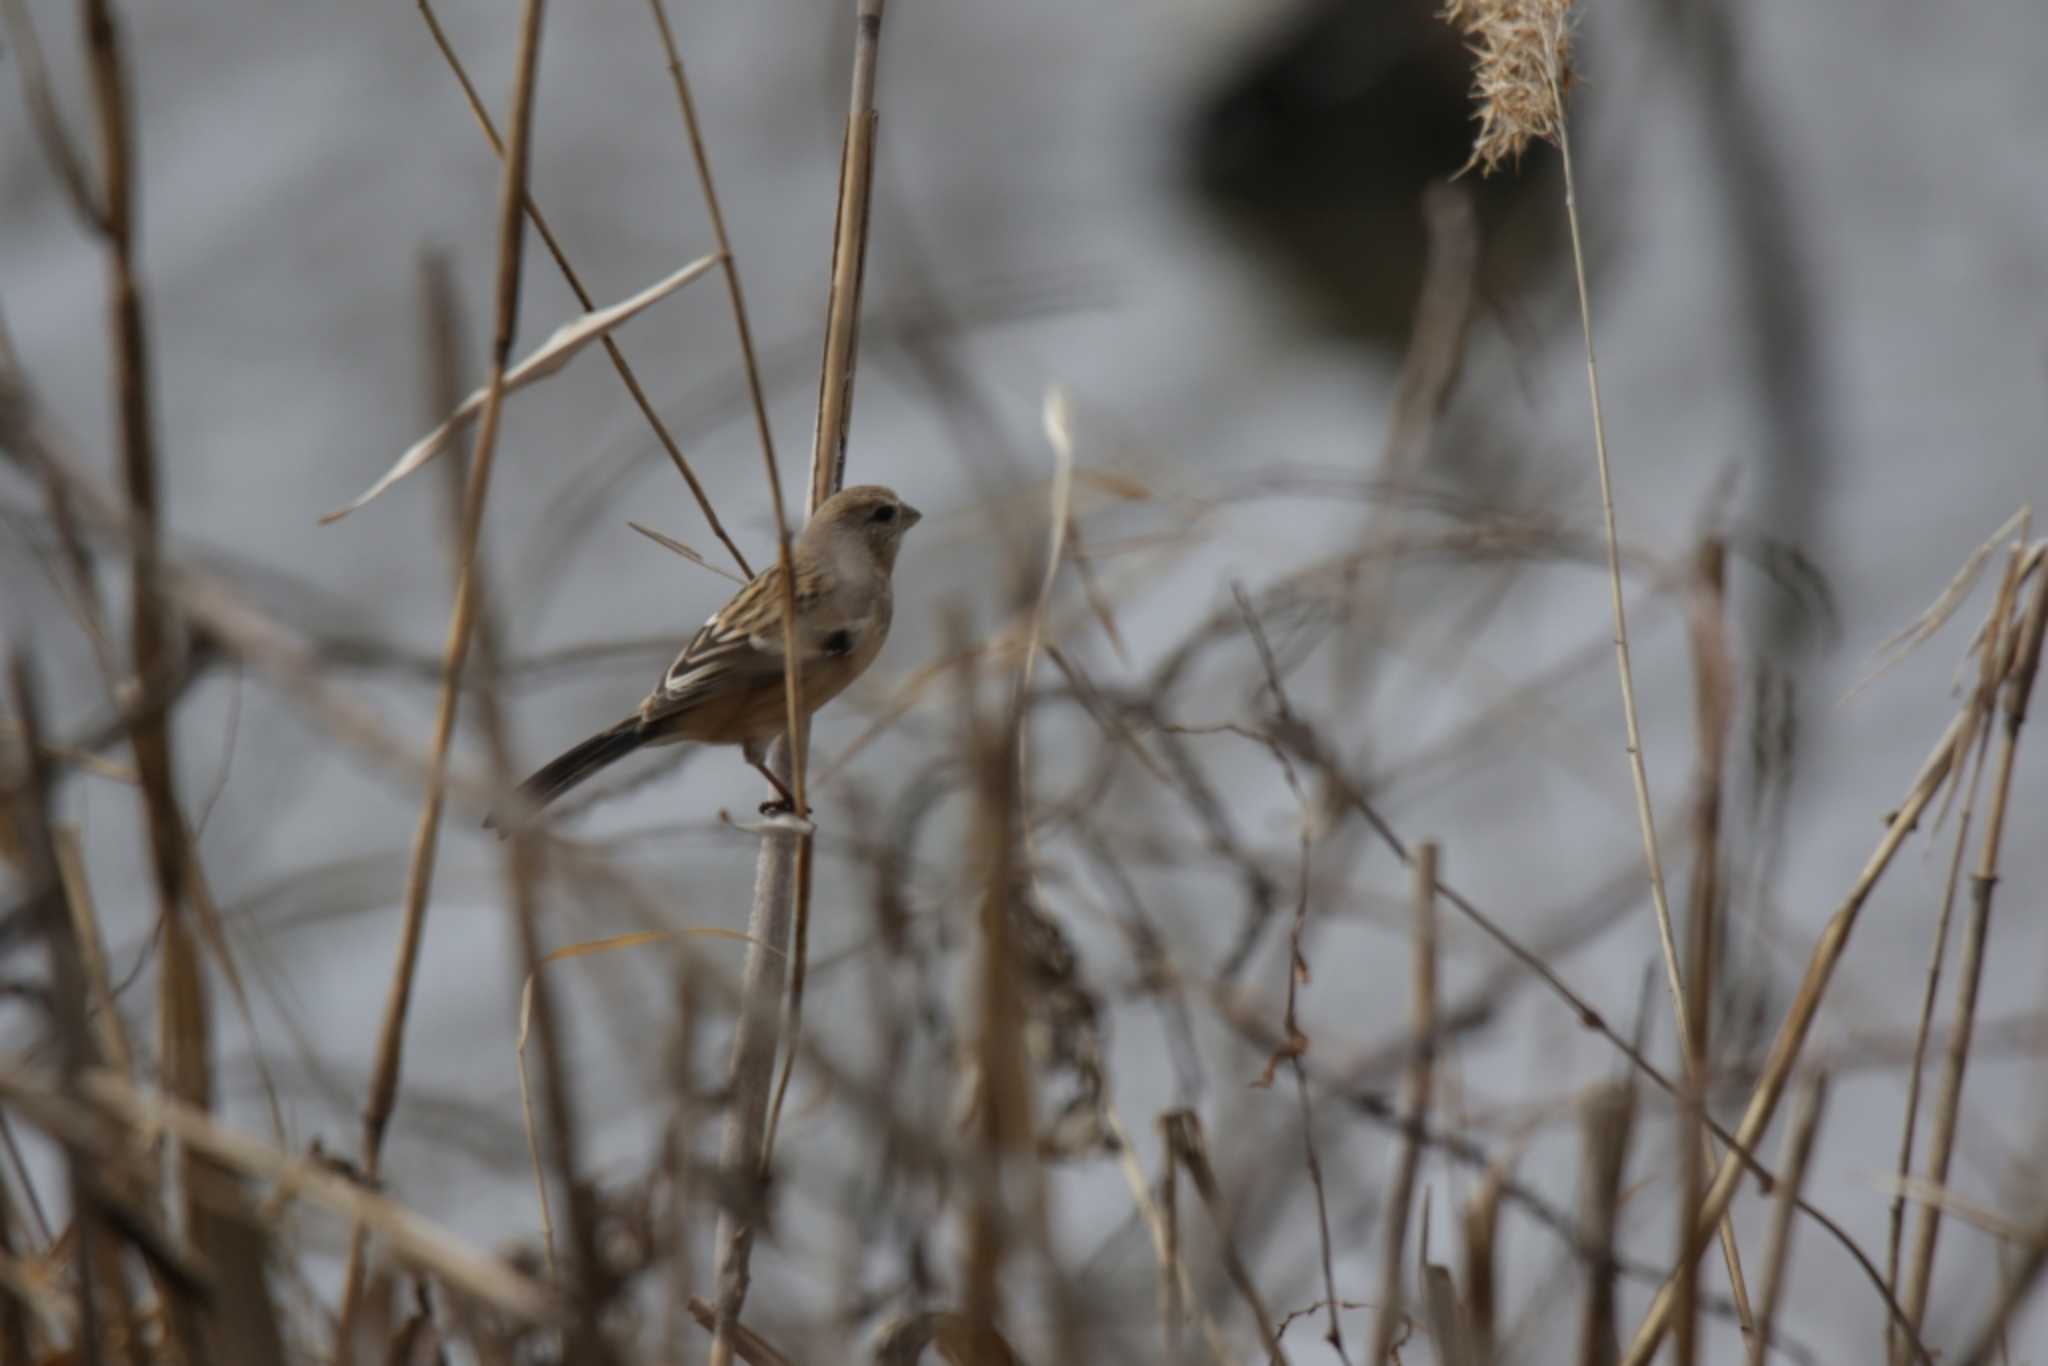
{"points": [[567, 770]]}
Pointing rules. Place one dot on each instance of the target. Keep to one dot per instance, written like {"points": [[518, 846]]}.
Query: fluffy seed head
{"points": [[1523, 51]]}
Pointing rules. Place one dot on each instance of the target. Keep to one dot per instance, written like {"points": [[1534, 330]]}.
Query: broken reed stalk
{"points": [[1003, 1125], [2020, 642], [1798, 1150], [782, 873], [1420, 1079], [1984, 702], [385, 1069], [583, 297], [1607, 1123], [1482, 1242]]}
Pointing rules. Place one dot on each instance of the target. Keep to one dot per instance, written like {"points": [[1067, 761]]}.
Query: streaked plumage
{"points": [[727, 685]]}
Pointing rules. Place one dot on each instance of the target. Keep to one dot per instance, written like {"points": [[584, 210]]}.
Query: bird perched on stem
{"points": [[727, 686]]}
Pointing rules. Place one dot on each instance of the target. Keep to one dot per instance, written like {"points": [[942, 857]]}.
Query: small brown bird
{"points": [[727, 686]]}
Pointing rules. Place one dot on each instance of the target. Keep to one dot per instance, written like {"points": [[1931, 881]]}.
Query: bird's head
{"points": [[868, 513]]}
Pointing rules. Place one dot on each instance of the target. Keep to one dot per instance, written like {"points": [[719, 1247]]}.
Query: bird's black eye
{"points": [[885, 514]]}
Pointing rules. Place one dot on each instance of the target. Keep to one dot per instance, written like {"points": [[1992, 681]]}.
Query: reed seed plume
{"points": [[1522, 69]]}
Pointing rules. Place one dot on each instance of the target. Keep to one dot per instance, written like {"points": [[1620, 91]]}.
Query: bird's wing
{"points": [[742, 640]]}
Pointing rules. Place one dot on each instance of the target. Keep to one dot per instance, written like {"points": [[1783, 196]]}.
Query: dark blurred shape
{"points": [[1316, 146]]}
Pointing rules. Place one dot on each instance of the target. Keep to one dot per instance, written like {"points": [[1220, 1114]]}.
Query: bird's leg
{"points": [[785, 802]]}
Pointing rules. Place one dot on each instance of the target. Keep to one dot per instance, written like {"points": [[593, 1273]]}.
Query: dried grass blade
{"points": [[558, 350], [675, 546]]}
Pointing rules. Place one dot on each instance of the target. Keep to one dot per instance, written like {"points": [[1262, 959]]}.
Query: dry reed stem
{"points": [[1183, 1129], [1638, 771], [827, 474], [1983, 701], [1003, 1124], [384, 1077], [441, 334], [1714, 690], [522, 867], [849, 259], [1798, 1150], [1692, 1153], [1420, 1083], [783, 872], [575, 283], [1607, 1123], [2020, 642], [1791, 1037], [150, 633], [1482, 1241]]}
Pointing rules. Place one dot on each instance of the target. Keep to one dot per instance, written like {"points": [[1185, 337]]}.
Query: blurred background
{"points": [[1815, 248]]}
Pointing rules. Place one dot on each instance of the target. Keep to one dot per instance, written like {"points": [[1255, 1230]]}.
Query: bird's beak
{"points": [[911, 516]]}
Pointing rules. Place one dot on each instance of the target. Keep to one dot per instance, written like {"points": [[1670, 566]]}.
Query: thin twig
{"points": [[755, 394]]}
